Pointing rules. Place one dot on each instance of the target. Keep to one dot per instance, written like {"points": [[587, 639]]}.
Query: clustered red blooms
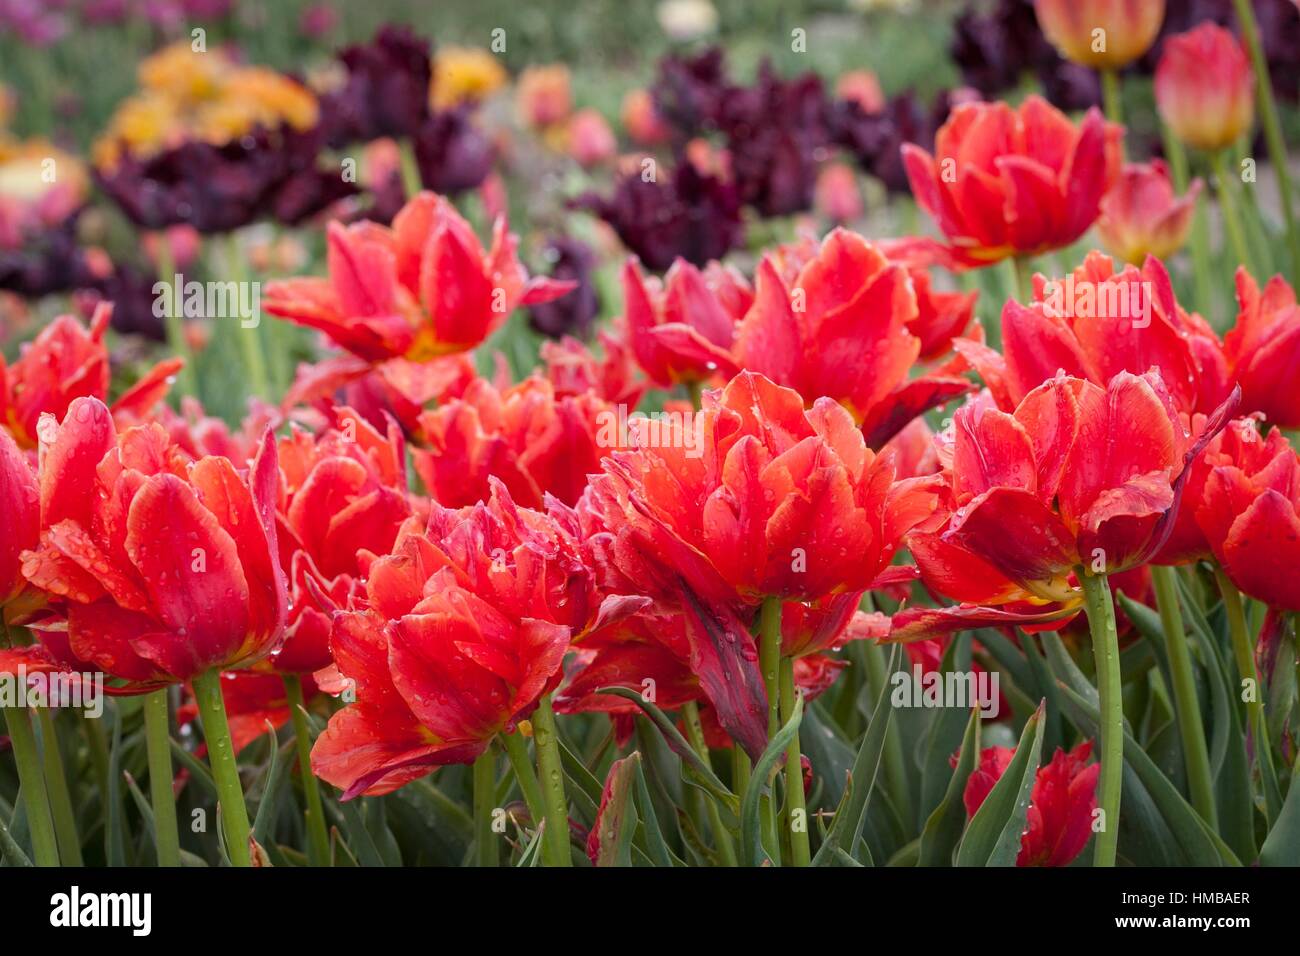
{"points": [[554, 544]]}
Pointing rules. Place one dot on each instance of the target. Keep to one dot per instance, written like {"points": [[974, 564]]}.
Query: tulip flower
{"points": [[836, 321], [683, 329], [836, 195], [423, 288], [387, 88], [534, 443], [575, 313], [344, 502], [1096, 322], [1262, 349], [591, 141], [157, 568], [1205, 89], [1141, 217], [1059, 819], [1014, 182], [19, 513], [1102, 34], [642, 121], [543, 95]]}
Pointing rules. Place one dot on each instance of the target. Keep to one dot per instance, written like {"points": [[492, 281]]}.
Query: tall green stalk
{"points": [[555, 843], [40, 823], [225, 770], [56, 786], [173, 321], [1243, 651], [250, 338], [157, 738], [795, 805], [1112, 96], [1187, 705], [485, 798], [1105, 649], [1228, 204], [1272, 124], [1199, 240], [522, 764], [695, 734], [318, 841], [769, 664]]}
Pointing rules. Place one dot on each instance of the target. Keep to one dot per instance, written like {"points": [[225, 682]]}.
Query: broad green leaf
{"points": [[9, 849], [1282, 846], [656, 846], [943, 828], [751, 844], [616, 822], [946, 732]]}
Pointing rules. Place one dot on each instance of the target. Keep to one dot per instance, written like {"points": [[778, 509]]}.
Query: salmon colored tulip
{"points": [[1205, 89], [642, 121], [591, 141], [535, 443], [1095, 323], [1141, 216], [344, 501], [1058, 822], [424, 287], [683, 328], [1014, 182], [1102, 34], [1250, 515], [836, 321], [157, 567], [1263, 349], [836, 196]]}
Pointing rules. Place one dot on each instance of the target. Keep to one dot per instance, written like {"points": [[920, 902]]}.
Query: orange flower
{"points": [[1141, 217], [1205, 89], [1006, 181], [1102, 34], [423, 288]]}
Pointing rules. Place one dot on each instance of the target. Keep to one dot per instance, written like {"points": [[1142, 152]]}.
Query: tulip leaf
{"points": [[198, 773], [1282, 845], [851, 813], [678, 743], [616, 823], [945, 731], [943, 829], [115, 821], [273, 789], [993, 836], [10, 851], [751, 844], [656, 846], [358, 837]]}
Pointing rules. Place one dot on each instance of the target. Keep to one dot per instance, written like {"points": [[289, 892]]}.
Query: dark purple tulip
{"points": [[387, 90], [573, 313], [451, 152], [689, 92], [131, 292], [46, 263], [876, 139], [691, 215]]}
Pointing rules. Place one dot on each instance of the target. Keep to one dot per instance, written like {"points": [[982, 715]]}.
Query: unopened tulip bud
{"points": [[1101, 34], [1205, 90]]}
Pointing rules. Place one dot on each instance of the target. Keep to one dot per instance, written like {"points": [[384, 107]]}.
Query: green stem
{"points": [[695, 732], [485, 798], [1105, 649], [318, 841], [1199, 241], [522, 764], [1187, 705], [411, 180], [250, 338], [225, 769], [157, 737], [769, 663], [1228, 204], [1272, 124], [796, 807], [173, 321], [1024, 279], [56, 783], [1112, 96], [1243, 652], [896, 780], [39, 821], [555, 845], [739, 769]]}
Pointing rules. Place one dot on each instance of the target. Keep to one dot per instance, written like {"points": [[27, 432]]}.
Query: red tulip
{"points": [[1097, 322], [573, 370], [683, 329], [1014, 182], [64, 362], [836, 321], [1205, 89], [1263, 349], [1059, 820], [20, 514], [1141, 216], [157, 567], [775, 501], [466, 626], [533, 442], [1086, 475], [1250, 515], [344, 501], [1102, 34], [423, 288]]}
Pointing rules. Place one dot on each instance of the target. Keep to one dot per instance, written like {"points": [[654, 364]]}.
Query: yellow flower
{"points": [[464, 75], [178, 71]]}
